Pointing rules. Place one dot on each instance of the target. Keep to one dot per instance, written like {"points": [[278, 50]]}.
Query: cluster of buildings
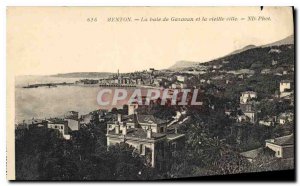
{"points": [[248, 107], [286, 89], [66, 125], [150, 136], [282, 148], [158, 140], [152, 78]]}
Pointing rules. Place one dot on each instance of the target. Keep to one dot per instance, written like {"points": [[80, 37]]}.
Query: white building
{"points": [[285, 84], [132, 108], [285, 88], [247, 96], [178, 85], [61, 125], [181, 78], [285, 117], [72, 117], [148, 135], [282, 146]]}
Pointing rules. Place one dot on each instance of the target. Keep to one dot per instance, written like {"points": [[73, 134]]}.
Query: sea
{"points": [[45, 102]]}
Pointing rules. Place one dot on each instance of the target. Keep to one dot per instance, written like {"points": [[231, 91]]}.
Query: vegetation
{"points": [[42, 155]]}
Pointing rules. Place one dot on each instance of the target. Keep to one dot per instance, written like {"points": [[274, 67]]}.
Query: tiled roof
{"points": [[252, 153], [138, 133], [150, 119], [57, 121], [249, 92], [284, 140], [285, 81], [174, 136], [34, 121]]}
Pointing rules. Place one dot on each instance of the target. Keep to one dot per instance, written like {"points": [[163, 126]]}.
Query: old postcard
{"points": [[149, 93]]}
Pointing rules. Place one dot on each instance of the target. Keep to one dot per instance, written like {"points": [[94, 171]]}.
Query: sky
{"points": [[51, 40]]}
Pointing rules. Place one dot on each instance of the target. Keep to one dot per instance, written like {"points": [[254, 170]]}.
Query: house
{"points": [[138, 81], [265, 71], [32, 123], [202, 81], [282, 146], [218, 66], [85, 119], [181, 78], [156, 82], [178, 85], [73, 120], [284, 85], [285, 117], [61, 125], [248, 105], [147, 134], [149, 121], [249, 110], [251, 155], [247, 96], [132, 108], [269, 121]]}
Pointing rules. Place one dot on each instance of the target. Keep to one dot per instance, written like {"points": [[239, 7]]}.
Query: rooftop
{"points": [[252, 153], [285, 81], [284, 140], [73, 112], [174, 136], [248, 92], [138, 133], [57, 121], [33, 121], [150, 119]]}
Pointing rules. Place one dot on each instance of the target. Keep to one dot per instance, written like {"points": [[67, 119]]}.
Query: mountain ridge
{"points": [[289, 40]]}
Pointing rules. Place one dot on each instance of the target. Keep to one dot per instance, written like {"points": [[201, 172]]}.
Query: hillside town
{"points": [[247, 115]]}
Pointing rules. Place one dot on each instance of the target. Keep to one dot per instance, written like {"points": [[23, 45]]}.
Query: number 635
{"points": [[91, 19]]}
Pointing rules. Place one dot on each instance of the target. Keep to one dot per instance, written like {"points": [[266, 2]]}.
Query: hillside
{"points": [[242, 49], [258, 58], [179, 65], [268, 66], [183, 65], [286, 41]]}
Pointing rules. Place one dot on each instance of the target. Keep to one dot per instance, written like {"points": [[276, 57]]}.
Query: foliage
{"points": [[41, 154]]}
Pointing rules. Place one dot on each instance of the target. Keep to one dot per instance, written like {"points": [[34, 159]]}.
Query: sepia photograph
{"points": [[150, 93]]}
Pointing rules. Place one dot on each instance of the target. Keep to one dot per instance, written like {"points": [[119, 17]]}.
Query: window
{"points": [[278, 153], [55, 126], [62, 127], [162, 129], [173, 146]]}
